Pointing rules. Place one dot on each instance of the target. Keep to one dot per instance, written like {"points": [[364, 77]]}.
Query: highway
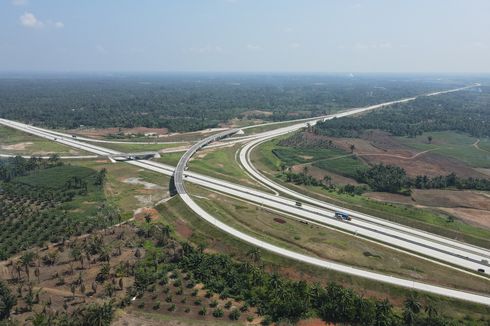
{"points": [[440, 248]]}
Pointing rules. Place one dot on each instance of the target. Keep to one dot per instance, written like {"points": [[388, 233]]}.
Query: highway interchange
{"points": [[429, 246]]}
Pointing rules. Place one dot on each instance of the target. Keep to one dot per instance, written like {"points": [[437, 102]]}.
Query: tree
{"points": [[429, 139], [411, 309], [254, 254], [26, 260], [7, 301], [352, 147]]}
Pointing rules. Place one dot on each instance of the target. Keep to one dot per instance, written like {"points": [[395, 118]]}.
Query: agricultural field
{"points": [[49, 205], [16, 142], [470, 150], [429, 219], [190, 227]]}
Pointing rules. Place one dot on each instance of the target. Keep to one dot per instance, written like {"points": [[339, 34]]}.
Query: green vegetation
{"points": [[427, 220], [179, 103], [44, 200], [170, 158], [221, 163], [465, 112], [135, 148], [323, 242], [454, 145], [16, 142], [275, 297]]}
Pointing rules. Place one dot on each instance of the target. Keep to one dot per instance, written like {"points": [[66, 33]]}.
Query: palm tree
{"points": [[352, 147], [429, 139], [412, 308], [327, 179], [26, 260], [254, 254], [305, 170]]}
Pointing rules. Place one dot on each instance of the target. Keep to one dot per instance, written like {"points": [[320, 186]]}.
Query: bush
{"points": [[213, 304], [203, 311], [235, 314], [218, 313], [156, 306], [228, 305]]}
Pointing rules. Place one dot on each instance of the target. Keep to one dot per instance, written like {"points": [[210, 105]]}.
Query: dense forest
{"points": [[190, 102], [467, 111]]}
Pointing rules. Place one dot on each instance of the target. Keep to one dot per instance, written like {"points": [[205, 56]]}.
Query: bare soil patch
{"points": [[451, 199], [476, 217], [103, 132], [387, 197], [17, 147], [141, 213]]}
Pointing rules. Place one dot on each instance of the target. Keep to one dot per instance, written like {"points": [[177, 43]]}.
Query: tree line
{"points": [[188, 102], [465, 111]]}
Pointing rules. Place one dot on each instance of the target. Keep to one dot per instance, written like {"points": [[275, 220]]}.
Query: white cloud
{"points": [[28, 19], [253, 47], [294, 45], [19, 2]]}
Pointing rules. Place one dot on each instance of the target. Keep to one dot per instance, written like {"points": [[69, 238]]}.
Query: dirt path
{"points": [[475, 145], [371, 154]]}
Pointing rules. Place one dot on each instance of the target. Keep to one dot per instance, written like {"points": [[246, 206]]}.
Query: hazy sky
{"points": [[246, 35]]}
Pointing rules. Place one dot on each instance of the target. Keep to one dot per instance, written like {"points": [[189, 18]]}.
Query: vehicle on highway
{"points": [[342, 216], [481, 270], [298, 204]]}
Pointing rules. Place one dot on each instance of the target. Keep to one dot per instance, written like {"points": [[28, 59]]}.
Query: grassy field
{"points": [[454, 145], [170, 158], [132, 148], [221, 163], [329, 159], [191, 228], [427, 220], [329, 244], [19, 143], [129, 187]]}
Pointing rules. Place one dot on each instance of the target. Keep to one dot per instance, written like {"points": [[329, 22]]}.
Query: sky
{"points": [[440, 36]]}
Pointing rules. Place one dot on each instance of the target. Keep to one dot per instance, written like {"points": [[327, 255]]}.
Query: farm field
{"points": [[191, 228], [428, 220], [453, 145]]}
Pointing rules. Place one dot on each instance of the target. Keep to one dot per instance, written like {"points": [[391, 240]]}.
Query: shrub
{"points": [[235, 314], [156, 305], [218, 313], [203, 311]]}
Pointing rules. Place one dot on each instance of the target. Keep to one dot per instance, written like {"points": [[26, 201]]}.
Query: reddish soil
{"points": [[313, 322], [102, 132], [470, 206], [140, 214], [279, 220], [183, 229]]}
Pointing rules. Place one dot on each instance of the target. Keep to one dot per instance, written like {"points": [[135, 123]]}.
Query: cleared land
{"points": [[16, 142], [437, 222]]}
